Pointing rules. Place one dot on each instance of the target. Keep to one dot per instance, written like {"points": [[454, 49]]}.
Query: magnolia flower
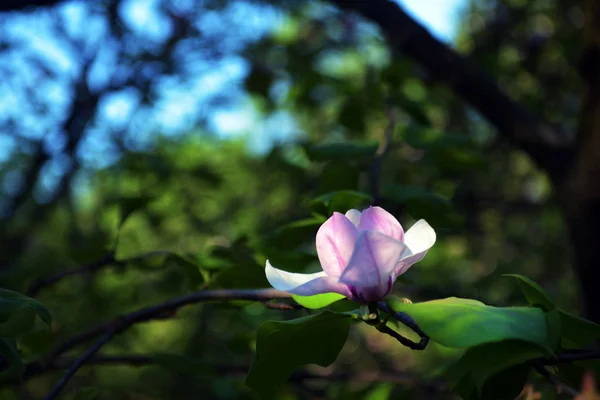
{"points": [[361, 254]]}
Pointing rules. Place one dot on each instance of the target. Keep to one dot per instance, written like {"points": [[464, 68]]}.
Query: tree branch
{"points": [[561, 386], [544, 144], [35, 369], [78, 363], [572, 356], [43, 283], [409, 322], [168, 307]]}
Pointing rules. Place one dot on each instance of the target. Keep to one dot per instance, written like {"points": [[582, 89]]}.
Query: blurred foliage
{"points": [[182, 208]]}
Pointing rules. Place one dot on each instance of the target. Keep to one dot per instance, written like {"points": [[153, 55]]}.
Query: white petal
{"points": [[354, 216], [419, 239], [304, 284]]}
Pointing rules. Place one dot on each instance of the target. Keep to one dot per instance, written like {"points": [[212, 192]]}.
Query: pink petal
{"points": [[374, 259], [419, 239], [304, 284], [377, 219], [335, 243]]}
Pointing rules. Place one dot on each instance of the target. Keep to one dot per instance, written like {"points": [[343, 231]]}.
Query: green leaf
{"points": [[455, 322], [421, 203], [19, 322], [9, 351], [578, 330], [505, 385], [341, 151], [11, 302], [186, 267], [318, 300], [340, 201], [479, 363], [554, 329], [281, 347], [533, 292]]}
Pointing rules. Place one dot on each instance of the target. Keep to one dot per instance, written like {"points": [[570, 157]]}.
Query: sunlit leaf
{"points": [[318, 300], [455, 322]]}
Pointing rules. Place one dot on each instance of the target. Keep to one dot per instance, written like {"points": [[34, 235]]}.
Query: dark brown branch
{"points": [[166, 308], [409, 322], [560, 385], [35, 369], [571, 356], [544, 144], [78, 363]]}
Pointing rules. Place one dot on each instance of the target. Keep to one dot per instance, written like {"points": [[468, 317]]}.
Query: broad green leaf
{"points": [[455, 322], [480, 363], [554, 329], [19, 322], [340, 201], [505, 385], [341, 151], [281, 347], [578, 330], [10, 353], [422, 203], [12, 301], [533, 292], [318, 300], [186, 267]]}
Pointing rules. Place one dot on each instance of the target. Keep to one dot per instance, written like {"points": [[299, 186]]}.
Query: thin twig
{"points": [[105, 261], [562, 387], [567, 357], [167, 307], [409, 322], [78, 363], [42, 283]]}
